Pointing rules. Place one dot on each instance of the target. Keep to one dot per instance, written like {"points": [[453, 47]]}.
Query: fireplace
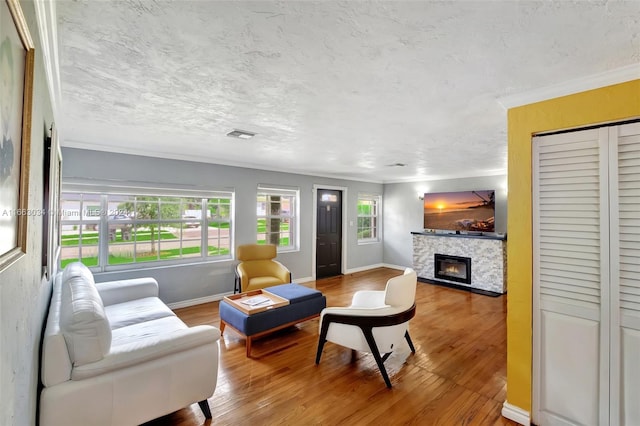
{"points": [[452, 268]]}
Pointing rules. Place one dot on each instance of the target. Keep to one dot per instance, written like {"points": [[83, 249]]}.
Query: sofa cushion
{"points": [[136, 311], [138, 344], [137, 334], [262, 282], [83, 321]]}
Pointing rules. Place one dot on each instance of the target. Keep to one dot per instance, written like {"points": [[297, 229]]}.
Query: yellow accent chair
{"points": [[258, 268]]}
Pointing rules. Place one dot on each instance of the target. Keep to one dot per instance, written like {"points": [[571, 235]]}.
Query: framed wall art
{"points": [[16, 91]]}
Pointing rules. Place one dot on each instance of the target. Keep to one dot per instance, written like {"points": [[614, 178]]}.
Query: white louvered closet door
{"points": [[586, 235], [570, 278], [625, 273]]}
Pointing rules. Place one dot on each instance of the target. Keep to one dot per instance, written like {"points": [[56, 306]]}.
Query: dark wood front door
{"points": [[329, 233]]}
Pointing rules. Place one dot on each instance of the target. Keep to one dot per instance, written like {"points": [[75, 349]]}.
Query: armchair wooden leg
{"points": [[322, 339], [406, 336], [368, 334], [204, 406], [319, 352]]}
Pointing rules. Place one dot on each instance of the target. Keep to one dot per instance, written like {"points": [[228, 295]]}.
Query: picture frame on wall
{"points": [[52, 179], [16, 92]]}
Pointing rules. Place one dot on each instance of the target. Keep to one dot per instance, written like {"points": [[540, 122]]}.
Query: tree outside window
{"points": [[277, 218], [112, 230]]}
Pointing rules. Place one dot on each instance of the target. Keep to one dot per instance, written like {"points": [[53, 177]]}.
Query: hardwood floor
{"points": [[457, 375]]}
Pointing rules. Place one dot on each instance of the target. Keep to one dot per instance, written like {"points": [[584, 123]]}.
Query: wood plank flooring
{"points": [[456, 377]]}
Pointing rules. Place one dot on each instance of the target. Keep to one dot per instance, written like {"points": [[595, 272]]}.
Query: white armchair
{"points": [[375, 322]]}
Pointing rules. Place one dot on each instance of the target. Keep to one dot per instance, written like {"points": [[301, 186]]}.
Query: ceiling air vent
{"points": [[242, 134], [397, 165]]}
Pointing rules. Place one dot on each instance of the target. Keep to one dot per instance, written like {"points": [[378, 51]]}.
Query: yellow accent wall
{"points": [[611, 103]]}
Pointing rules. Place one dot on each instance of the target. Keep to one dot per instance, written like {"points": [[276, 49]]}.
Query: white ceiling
{"points": [[331, 88]]}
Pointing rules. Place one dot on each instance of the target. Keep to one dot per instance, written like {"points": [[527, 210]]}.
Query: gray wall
{"points": [[187, 282], [24, 294], [403, 211]]}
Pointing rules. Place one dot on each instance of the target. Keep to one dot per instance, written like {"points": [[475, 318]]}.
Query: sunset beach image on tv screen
{"points": [[460, 211]]}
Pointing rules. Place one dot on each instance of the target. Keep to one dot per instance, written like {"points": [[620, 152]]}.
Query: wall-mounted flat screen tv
{"points": [[460, 211]]}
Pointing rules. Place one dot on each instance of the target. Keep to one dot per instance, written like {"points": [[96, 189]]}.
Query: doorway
{"points": [[328, 233]]}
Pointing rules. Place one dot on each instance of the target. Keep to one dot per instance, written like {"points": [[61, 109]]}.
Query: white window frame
{"points": [[377, 218], [292, 216], [103, 222]]}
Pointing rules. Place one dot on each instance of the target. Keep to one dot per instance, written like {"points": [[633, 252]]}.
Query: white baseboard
{"points": [[197, 301], [374, 266], [302, 280], [363, 268], [398, 267], [516, 414]]}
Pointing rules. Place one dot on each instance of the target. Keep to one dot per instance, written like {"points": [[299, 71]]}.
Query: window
{"points": [[277, 213], [368, 218], [80, 223], [108, 230]]}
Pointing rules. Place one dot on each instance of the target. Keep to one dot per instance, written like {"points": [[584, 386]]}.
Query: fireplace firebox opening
{"points": [[452, 268]]}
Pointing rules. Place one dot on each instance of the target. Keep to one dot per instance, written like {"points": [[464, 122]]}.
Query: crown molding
{"points": [[582, 84], [436, 178], [69, 143]]}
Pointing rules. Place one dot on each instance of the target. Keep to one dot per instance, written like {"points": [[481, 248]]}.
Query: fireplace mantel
{"points": [[480, 235], [488, 255]]}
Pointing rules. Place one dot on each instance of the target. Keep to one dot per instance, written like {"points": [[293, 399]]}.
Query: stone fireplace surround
{"points": [[488, 255]]}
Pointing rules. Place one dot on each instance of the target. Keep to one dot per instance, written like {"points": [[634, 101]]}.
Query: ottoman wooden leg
{"points": [[248, 346]]}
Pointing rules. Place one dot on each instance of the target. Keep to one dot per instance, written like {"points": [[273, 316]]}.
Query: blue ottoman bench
{"points": [[304, 304]]}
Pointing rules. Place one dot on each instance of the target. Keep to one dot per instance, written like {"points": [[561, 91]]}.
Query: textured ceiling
{"points": [[331, 88]]}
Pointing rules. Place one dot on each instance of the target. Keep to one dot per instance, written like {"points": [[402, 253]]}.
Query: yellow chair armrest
{"points": [[244, 277], [283, 272]]}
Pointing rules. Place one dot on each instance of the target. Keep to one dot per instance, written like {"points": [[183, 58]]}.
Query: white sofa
{"points": [[114, 354]]}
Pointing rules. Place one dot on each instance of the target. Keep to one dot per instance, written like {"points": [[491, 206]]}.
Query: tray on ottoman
{"points": [[265, 300], [304, 304]]}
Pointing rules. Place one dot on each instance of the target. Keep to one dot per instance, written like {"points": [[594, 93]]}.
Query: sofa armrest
{"points": [[145, 350], [113, 292]]}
